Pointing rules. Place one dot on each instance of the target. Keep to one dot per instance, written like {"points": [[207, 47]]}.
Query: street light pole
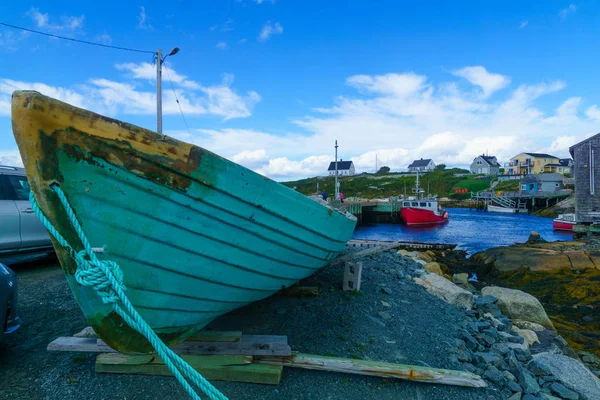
{"points": [[159, 62]]}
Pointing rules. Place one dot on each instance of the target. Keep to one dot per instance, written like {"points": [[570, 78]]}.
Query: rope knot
{"points": [[105, 277]]}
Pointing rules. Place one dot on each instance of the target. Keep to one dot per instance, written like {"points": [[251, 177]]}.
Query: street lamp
{"points": [[159, 62]]}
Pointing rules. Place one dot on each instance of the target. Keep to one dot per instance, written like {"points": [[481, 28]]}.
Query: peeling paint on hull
{"points": [[195, 234]]}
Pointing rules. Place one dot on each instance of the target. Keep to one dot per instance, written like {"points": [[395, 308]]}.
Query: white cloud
{"points": [[143, 20], [282, 167], [479, 76], [110, 97], [104, 38], [569, 107], [224, 27], [11, 157], [593, 113], [222, 45], [251, 158], [9, 39], [265, 1], [523, 24], [565, 12], [397, 116], [404, 116], [400, 85], [67, 23], [145, 70], [7, 86], [269, 30]]}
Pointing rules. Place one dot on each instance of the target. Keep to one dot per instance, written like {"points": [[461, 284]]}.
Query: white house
{"points": [[422, 165], [486, 165], [344, 168]]}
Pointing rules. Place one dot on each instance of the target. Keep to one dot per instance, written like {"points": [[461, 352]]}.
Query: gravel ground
{"points": [[420, 330]]}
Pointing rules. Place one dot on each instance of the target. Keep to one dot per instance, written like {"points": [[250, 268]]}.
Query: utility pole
{"points": [[159, 62], [375, 163], [336, 190]]}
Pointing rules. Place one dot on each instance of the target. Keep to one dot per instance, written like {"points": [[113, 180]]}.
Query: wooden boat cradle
{"points": [[232, 356]]}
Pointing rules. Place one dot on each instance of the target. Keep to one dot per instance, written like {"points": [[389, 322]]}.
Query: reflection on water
{"points": [[473, 230]]}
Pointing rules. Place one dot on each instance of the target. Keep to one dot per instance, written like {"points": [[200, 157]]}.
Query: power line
{"points": [[177, 100], [77, 40]]}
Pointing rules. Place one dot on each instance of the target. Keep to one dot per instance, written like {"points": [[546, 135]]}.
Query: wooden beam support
{"points": [[374, 368], [225, 368], [216, 336], [264, 345], [364, 253], [300, 291]]}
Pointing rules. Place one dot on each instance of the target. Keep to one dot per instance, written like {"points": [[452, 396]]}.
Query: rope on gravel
{"points": [[106, 278]]}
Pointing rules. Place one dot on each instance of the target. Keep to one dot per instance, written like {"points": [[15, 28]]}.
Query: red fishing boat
{"points": [[564, 222], [419, 210]]}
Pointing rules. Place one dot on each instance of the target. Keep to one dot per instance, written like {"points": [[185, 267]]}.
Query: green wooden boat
{"points": [[194, 234]]}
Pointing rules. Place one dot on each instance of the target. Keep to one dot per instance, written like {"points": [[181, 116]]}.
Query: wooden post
{"points": [[352, 276]]}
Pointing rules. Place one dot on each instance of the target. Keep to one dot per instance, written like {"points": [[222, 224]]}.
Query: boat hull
{"points": [[417, 216], [195, 235], [563, 225]]}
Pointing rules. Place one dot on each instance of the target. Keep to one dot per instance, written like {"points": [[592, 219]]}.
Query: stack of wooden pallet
{"points": [[232, 356]]}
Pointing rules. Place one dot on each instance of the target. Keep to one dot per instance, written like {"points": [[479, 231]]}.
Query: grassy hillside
{"points": [[509, 186], [442, 183]]}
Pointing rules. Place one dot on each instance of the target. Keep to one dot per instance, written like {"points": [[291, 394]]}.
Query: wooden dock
{"points": [[519, 200], [419, 246]]}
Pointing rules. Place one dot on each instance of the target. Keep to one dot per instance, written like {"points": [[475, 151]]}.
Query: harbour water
{"points": [[471, 230]]}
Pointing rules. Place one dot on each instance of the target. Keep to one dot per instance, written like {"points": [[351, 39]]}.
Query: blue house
{"points": [[542, 183]]}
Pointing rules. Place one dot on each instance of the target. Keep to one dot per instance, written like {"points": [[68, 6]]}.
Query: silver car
{"points": [[20, 230], [9, 319]]}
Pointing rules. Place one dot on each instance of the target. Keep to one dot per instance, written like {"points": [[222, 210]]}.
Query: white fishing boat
{"points": [[499, 209]]}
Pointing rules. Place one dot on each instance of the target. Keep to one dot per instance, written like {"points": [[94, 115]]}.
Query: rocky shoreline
{"points": [[507, 338]]}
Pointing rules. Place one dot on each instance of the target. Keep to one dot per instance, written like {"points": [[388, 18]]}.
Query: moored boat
{"points": [[422, 210], [498, 209], [194, 235], [564, 222]]}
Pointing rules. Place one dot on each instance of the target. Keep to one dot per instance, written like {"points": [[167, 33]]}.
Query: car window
{"points": [[19, 185], [3, 191]]}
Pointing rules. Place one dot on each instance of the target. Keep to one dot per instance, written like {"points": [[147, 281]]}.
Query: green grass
{"points": [[371, 186], [511, 186], [473, 185]]}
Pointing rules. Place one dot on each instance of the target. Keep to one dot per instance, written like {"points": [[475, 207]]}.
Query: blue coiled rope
{"points": [[106, 278]]}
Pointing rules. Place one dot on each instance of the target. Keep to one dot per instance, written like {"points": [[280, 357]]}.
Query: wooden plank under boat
{"points": [[195, 235]]}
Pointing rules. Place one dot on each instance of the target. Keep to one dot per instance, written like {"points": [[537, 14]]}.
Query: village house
{"points": [[542, 183], [529, 163], [422, 165], [344, 168], [562, 167], [486, 165], [586, 158]]}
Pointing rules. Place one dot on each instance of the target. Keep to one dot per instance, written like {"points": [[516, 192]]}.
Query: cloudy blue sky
{"points": [[272, 83]]}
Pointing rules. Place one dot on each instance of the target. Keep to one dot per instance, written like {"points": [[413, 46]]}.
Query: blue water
{"points": [[472, 231]]}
